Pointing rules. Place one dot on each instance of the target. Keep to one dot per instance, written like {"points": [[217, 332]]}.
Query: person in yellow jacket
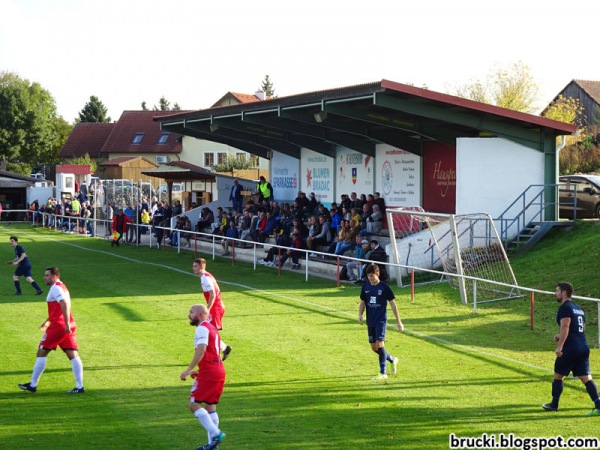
{"points": [[264, 190]]}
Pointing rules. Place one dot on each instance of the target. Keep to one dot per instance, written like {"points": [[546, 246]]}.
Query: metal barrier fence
{"points": [[104, 228]]}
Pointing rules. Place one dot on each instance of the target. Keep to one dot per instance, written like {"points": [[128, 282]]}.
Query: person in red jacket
{"points": [[119, 227]]}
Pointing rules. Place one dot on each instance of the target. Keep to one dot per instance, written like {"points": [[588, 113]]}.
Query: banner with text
{"points": [[398, 176], [439, 177], [355, 173], [285, 173], [318, 176]]}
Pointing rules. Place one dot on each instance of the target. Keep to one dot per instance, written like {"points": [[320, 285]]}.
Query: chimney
{"points": [[3, 165], [260, 95]]}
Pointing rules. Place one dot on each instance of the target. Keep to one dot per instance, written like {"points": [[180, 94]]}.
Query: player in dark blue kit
{"points": [[572, 349], [374, 297], [23, 267]]}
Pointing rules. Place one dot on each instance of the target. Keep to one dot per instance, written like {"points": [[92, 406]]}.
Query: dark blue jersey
{"points": [[576, 338], [376, 299], [19, 250]]}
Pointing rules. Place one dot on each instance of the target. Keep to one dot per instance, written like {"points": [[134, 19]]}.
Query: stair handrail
{"points": [[522, 219]]}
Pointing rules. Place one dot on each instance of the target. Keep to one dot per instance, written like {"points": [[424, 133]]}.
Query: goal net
{"points": [[443, 244]]}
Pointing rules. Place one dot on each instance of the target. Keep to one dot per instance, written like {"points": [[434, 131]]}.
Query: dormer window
{"points": [[162, 139], [137, 138]]}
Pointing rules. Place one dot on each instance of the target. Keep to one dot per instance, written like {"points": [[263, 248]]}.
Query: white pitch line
{"points": [[317, 305]]}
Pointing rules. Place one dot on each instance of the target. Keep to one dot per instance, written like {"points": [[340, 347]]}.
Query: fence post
{"points": [[531, 309], [412, 285]]}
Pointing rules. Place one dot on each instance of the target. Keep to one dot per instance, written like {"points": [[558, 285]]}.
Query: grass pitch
{"points": [[299, 374]]}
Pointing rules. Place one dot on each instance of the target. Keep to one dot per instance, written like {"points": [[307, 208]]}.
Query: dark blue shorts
{"points": [[23, 271], [377, 333], [577, 361]]}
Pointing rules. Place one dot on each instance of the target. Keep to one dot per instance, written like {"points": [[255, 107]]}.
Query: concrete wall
{"points": [[492, 172]]}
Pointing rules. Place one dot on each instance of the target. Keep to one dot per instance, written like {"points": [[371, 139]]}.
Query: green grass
{"points": [[299, 374]]}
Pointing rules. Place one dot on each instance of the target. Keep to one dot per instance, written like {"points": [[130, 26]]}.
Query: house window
{"points": [[254, 160], [241, 157], [137, 138], [221, 158], [163, 138], [209, 159]]}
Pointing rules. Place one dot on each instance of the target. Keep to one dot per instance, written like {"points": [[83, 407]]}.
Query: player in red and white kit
{"points": [[209, 377], [58, 332], [212, 294]]}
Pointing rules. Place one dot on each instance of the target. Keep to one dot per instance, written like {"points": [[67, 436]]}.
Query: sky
{"points": [[193, 52]]}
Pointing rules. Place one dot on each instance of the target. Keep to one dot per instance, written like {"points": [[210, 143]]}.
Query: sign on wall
{"points": [[355, 173], [317, 176], [439, 177], [398, 176], [285, 174]]}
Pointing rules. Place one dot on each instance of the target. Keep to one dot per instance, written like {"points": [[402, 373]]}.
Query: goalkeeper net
{"points": [[463, 245]]}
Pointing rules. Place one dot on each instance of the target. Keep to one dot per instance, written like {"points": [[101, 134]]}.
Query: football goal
{"points": [[453, 248]]}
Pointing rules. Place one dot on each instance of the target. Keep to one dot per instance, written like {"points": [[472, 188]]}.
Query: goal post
{"points": [[452, 247]]}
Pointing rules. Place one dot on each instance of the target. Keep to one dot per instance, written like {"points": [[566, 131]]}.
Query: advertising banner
{"points": [[398, 176], [355, 173], [439, 177], [285, 173], [318, 176]]}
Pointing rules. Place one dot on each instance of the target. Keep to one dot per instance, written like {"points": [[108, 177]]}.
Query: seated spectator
{"points": [[219, 221], [314, 228], [205, 220], [340, 237], [187, 226], [247, 234], [362, 246], [334, 222], [301, 228], [322, 238], [373, 222], [269, 228], [322, 211], [375, 254], [260, 227], [297, 244], [355, 217], [379, 201], [232, 233], [313, 204], [349, 241], [275, 253], [176, 235]]}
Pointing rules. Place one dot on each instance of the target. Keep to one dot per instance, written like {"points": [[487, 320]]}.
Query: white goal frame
{"points": [[468, 252]]}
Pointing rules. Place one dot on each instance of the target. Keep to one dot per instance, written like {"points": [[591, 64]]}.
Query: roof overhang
{"points": [[359, 117]]}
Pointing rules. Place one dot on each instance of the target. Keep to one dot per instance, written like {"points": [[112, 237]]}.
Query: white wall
{"points": [[492, 172], [193, 152]]}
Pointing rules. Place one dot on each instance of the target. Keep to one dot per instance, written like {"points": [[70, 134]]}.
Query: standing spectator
{"points": [[264, 190], [236, 196], [177, 209], [572, 349], [209, 377], [59, 331], [374, 297], [23, 267], [212, 295], [131, 231], [119, 226]]}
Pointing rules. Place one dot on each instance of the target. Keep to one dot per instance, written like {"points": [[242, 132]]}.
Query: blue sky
{"points": [[193, 51]]}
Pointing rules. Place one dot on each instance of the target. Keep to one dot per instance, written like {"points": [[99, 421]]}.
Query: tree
{"points": [[163, 105], [512, 88], [94, 111], [85, 159], [233, 163], [565, 109], [268, 88], [30, 131]]}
